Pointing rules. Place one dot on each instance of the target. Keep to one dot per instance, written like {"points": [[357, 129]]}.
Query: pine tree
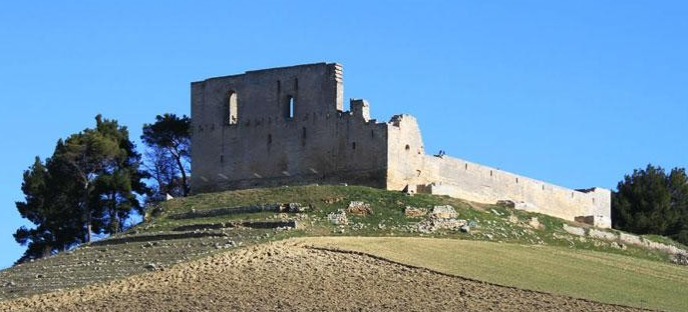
{"points": [[651, 202], [91, 184], [167, 157], [47, 205]]}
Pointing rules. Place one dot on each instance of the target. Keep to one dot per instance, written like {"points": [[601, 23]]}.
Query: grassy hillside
{"points": [[184, 229], [598, 276], [492, 222]]}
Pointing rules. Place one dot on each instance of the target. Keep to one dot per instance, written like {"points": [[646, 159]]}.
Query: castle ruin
{"points": [[288, 126]]}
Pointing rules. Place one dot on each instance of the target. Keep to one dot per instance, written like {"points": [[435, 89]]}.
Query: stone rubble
{"points": [[413, 212], [338, 218], [621, 240], [443, 212], [359, 208], [442, 218]]}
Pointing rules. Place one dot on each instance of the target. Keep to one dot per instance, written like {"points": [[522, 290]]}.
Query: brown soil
{"points": [[289, 277]]}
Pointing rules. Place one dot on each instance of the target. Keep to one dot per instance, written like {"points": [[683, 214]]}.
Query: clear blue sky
{"points": [[576, 93]]}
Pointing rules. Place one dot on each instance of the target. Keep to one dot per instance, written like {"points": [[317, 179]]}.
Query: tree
{"points": [[116, 188], [50, 209], [651, 202], [90, 185], [167, 157]]}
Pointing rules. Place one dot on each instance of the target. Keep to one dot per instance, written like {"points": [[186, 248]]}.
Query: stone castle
{"points": [[288, 126]]}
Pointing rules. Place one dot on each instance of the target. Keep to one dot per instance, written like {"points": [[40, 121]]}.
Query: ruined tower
{"points": [[287, 126]]}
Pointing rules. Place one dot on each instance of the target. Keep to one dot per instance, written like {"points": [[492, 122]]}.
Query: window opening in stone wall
{"points": [[516, 180], [407, 147], [232, 108], [372, 133], [222, 158], [289, 111], [593, 201], [353, 145], [490, 172], [269, 138], [465, 167], [543, 187]]}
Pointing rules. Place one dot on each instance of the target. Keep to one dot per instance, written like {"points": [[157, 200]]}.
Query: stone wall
{"points": [[287, 126], [463, 179], [283, 126]]}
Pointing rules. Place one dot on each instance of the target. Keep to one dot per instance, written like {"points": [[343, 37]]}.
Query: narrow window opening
{"points": [[353, 145], [593, 200], [543, 187], [269, 138], [465, 167], [490, 172], [289, 110], [372, 133], [516, 180], [408, 147], [232, 108], [222, 158], [571, 194], [296, 84]]}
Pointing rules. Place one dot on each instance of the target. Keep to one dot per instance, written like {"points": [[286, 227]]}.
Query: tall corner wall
{"points": [[289, 127]]}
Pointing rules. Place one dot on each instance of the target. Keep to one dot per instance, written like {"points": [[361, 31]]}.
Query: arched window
{"points": [[289, 108], [232, 108]]}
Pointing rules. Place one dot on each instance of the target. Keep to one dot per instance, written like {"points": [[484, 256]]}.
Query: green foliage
{"points": [[90, 184], [651, 202], [167, 157], [47, 208]]}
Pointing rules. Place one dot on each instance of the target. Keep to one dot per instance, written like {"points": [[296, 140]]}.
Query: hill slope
{"points": [[598, 276], [188, 229], [292, 278]]}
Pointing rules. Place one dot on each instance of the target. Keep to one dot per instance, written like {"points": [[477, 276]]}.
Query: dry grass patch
{"points": [[598, 276]]}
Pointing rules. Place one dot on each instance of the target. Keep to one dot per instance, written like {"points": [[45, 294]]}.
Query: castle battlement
{"points": [[287, 126]]}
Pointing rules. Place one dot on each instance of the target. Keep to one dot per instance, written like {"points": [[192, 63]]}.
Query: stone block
{"points": [[574, 230], [602, 235]]}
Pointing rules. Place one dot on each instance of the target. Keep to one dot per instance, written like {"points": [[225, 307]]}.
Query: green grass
{"points": [[598, 276], [546, 258], [388, 206], [664, 240]]}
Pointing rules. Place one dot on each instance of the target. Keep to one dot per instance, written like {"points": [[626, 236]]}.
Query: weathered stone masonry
{"points": [[287, 126]]}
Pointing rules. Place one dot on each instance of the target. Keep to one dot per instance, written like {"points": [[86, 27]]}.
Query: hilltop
{"points": [[359, 247]]}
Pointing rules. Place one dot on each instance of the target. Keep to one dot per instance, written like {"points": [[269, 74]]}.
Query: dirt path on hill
{"points": [[288, 277]]}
